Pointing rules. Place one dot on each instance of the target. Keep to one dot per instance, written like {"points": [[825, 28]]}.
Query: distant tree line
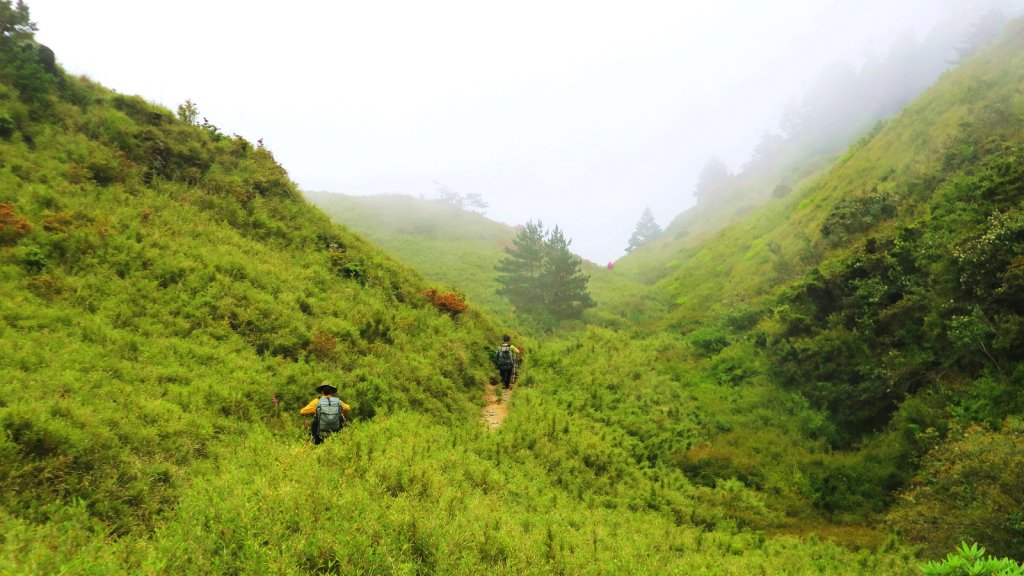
{"points": [[454, 197]]}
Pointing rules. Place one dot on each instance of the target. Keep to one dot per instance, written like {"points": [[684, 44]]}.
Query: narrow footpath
{"points": [[496, 410]]}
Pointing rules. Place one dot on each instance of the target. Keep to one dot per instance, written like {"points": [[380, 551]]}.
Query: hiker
{"points": [[327, 411], [507, 359]]}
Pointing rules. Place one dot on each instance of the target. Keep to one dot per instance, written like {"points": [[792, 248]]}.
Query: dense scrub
{"points": [[820, 356], [167, 290], [380, 499], [171, 300], [886, 293]]}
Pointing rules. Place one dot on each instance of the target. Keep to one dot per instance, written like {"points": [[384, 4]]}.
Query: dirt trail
{"points": [[497, 406]]}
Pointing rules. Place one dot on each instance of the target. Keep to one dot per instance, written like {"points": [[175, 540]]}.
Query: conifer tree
{"points": [[713, 180], [24, 64], [646, 230], [541, 276], [519, 273], [565, 284], [14, 21], [983, 32]]}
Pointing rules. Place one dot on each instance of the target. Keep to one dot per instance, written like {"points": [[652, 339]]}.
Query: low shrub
{"points": [[971, 561], [12, 226], [449, 302]]}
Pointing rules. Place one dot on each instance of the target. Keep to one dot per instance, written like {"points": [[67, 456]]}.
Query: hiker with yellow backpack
{"points": [[327, 411]]}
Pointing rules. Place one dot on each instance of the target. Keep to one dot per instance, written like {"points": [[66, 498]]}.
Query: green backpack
{"points": [[328, 416], [503, 358]]}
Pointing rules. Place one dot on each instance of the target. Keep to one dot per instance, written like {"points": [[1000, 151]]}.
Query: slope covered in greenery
{"points": [[844, 104], [862, 322], [170, 302], [807, 354], [450, 246], [886, 294]]}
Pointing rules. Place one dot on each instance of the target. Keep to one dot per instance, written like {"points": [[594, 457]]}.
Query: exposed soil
{"points": [[496, 410]]}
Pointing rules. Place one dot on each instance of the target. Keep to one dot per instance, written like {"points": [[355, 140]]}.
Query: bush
{"points": [[707, 341], [7, 127], [970, 486], [858, 214], [450, 302], [33, 259], [971, 561], [12, 226], [323, 346]]}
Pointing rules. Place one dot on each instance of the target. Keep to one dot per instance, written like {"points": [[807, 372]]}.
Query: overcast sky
{"points": [[578, 113]]}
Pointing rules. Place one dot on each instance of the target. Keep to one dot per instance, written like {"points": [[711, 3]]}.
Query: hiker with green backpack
{"points": [[507, 358], [327, 411]]}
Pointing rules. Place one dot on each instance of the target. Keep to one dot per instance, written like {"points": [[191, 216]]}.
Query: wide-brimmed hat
{"points": [[327, 387]]}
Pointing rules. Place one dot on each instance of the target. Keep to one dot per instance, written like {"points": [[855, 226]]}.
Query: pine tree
{"points": [[646, 230], [28, 66], [714, 178], [519, 273], [983, 32], [541, 276], [565, 284], [14, 21]]}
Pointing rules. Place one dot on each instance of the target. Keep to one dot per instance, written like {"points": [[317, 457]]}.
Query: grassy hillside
{"points": [[844, 104], [171, 300], [886, 293], [451, 247], [807, 352]]}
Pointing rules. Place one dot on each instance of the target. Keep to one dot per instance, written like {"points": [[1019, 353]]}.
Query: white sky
{"points": [[578, 113]]}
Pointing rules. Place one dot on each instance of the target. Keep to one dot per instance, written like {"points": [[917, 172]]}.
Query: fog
{"points": [[576, 113]]}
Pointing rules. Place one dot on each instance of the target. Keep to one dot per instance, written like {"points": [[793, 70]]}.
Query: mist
{"points": [[576, 113]]}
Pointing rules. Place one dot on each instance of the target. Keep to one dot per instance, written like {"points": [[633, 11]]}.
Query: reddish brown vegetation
{"points": [[12, 226], [446, 302], [322, 346]]}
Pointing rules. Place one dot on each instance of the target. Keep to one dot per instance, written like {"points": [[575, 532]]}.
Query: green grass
{"points": [[451, 247], [171, 300]]}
